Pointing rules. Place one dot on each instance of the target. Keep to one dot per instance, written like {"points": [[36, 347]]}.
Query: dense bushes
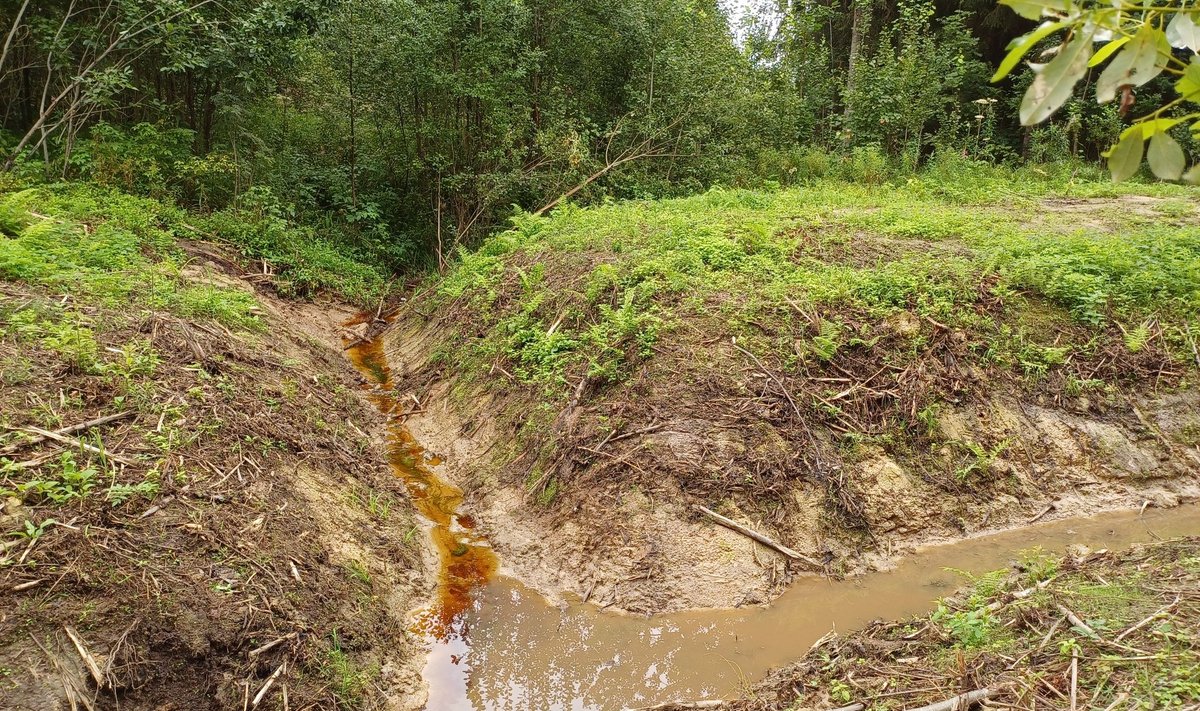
{"points": [[395, 135]]}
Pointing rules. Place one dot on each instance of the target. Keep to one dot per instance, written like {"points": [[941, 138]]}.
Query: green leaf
{"points": [[1192, 177], [1183, 32], [1029, 9], [1022, 45], [1188, 85], [1125, 158], [1148, 129], [1139, 62], [1166, 157], [1106, 51], [1056, 80]]}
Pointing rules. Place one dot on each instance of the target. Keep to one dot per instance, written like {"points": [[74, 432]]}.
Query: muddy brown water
{"points": [[495, 645]]}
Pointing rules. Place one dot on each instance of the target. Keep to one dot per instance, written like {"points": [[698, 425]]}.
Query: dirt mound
{"points": [[230, 532], [588, 390]]}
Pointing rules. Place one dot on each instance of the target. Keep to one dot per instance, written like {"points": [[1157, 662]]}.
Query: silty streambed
{"points": [[496, 645]]}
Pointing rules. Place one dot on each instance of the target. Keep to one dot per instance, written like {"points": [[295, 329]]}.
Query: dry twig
{"points": [[92, 666], [751, 533]]}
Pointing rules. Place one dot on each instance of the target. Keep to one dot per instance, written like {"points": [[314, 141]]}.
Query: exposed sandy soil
{"points": [[638, 546], [279, 539]]}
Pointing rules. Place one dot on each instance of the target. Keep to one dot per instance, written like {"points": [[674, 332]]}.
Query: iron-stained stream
{"points": [[495, 645]]}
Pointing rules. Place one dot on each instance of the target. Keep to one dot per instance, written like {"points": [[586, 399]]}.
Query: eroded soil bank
{"points": [[851, 430], [637, 545], [231, 538]]}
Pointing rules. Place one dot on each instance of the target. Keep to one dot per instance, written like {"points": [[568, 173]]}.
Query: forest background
{"points": [[392, 132]]}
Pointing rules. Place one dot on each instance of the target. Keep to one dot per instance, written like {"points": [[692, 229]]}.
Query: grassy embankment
{"points": [[230, 501], [849, 318], [1109, 630]]}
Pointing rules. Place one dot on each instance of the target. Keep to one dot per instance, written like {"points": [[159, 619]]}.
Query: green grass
{"points": [[348, 681], [306, 264], [602, 286], [108, 248], [116, 248]]}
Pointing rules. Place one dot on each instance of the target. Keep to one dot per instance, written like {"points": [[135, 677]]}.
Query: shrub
{"points": [[143, 160]]}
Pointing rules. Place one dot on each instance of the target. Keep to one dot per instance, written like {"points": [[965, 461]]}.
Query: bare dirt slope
{"points": [[263, 545]]}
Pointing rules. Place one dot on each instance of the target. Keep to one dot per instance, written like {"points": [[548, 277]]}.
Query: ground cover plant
{"points": [[1082, 295], [114, 247]]}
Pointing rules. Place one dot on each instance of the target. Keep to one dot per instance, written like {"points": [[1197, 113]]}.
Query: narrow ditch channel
{"points": [[495, 645]]}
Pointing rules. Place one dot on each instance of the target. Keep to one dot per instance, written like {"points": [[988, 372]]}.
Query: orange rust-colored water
{"points": [[495, 645], [466, 561]]}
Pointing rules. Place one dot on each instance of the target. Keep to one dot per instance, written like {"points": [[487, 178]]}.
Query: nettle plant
{"points": [[1139, 41]]}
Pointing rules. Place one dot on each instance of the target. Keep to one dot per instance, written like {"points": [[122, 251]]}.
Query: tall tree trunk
{"points": [[353, 106], [860, 21]]}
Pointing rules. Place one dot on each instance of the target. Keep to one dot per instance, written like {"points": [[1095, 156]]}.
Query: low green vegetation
{"points": [[108, 248], [114, 248], [349, 682], [986, 253], [863, 313]]}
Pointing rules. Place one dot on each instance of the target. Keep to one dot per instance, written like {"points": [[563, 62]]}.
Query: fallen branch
{"points": [[750, 533], [1089, 632], [961, 701], [79, 444], [1021, 594], [1077, 622], [28, 585], [271, 645], [1146, 621], [1074, 678], [18, 446], [709, 704], [36, 461], [72, 680], [1043, 512]]}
